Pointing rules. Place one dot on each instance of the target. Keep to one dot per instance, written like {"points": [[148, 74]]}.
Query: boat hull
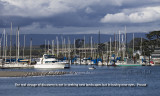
{"points": [[51, 65], [16, 66], [129, 65]]}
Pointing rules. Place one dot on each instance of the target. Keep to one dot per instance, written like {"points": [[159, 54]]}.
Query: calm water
{"points": [[149, 75]]}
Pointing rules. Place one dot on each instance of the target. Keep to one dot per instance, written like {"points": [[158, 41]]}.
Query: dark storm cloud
{"points": [[16, 20], [91, 14], [71, 19]]}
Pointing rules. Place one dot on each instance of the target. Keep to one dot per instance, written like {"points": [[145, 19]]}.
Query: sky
{"points": [[79, 16]]}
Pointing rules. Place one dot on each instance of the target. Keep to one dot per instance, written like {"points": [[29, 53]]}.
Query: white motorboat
{"points": [[92, 67], [49, 61]]}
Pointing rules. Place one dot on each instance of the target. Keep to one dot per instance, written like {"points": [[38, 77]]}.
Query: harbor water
{"points": [[149, 75]]}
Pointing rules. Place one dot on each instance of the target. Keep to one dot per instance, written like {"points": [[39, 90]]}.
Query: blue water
{"points": [[149, 75]]}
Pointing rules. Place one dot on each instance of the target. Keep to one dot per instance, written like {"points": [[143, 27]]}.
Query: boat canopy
{"points": [[49, 56]]}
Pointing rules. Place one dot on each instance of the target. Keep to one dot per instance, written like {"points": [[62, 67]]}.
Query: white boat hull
{"points": [[51, 65], [17, 65]]}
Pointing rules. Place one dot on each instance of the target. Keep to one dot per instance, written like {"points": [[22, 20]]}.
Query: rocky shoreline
{"points": [[26, 74]]}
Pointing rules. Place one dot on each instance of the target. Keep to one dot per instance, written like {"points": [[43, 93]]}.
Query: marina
{"points": [[62, 53], [79, 48]]}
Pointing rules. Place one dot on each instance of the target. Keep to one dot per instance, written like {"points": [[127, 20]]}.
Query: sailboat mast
{"points": [[107, 50], [125, 41], [45, 47], [99, 42], [115, 44], [69, 55], [99, 38], [11, 42], [110, 47], [18, 42], [57, 47], [74, 47], [133, 43], [52, 47], [24, 45], [0, 46], [119, 40], [65, 47], [123, 46], [62, 45], [141, 44], [91, 47], [84, 47], [30, 50], [6, 48], [16, 45], [48, 46], [4, 43]]}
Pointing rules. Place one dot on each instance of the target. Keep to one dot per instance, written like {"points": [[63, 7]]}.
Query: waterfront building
{"points": [[156, 55]]}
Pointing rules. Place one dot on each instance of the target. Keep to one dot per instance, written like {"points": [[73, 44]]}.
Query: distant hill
{"points": [[39, 39]]}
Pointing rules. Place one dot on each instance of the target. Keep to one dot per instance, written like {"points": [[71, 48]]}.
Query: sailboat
{"points": [[127, 62], [14, 64]]}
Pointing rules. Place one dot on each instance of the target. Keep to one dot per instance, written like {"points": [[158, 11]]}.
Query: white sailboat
{"points": [[127, 62], [14, 64]]}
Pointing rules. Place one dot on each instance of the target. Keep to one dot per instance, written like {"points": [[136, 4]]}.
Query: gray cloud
{"points": [[83, 16]]}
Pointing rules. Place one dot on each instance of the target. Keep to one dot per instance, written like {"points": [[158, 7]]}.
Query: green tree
{"points": [[152, 42], [154, 37], [148, 47]]}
